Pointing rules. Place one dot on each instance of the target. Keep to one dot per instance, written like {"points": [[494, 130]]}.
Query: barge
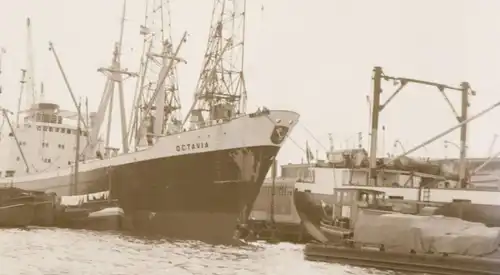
{"points": [[373, 257], [22, 208]]}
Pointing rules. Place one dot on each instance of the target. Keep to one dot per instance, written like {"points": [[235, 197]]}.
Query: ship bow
{"points": [[208, 185]]}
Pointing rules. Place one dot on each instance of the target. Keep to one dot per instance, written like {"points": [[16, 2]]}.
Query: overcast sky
{"points": [[315, 57]]}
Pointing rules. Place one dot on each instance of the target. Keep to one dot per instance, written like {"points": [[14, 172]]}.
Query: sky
{"points": [[315, 57]]}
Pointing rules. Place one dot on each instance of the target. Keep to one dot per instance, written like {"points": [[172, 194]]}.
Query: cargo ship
{"points": [[193, 179]]}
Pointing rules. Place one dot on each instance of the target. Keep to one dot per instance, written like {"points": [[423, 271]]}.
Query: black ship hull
{"points": [[201, 196]]}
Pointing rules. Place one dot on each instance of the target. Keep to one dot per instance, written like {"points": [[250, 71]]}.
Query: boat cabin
{"points": [[347, 202]]}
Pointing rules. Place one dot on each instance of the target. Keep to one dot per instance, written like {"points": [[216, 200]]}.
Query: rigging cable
{"points": [[314, 138]]}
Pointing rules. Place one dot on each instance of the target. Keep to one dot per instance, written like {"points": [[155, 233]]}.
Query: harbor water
{"points": [[45, 251]]}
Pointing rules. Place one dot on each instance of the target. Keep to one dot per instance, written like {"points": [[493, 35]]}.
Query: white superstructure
{"points": [[44, 141], [406, 184]]}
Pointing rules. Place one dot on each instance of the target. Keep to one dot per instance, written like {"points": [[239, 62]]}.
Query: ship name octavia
{"points": [[191, 146]]}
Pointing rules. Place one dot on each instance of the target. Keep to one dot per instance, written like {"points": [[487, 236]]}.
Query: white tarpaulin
{"points": [[437, 234]]}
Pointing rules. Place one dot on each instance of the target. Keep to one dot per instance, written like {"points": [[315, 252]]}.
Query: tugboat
{"points": [[347, 203]]}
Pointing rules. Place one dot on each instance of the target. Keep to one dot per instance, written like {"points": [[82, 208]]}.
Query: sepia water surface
{"points": [[57, 251]]}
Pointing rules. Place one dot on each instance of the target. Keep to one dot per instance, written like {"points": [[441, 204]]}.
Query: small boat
{"points": [[335, 230], [17, 215], [18, 207], [310, 214], [346, 204], [90, 212]]}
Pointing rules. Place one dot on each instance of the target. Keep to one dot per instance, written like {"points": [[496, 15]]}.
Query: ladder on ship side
{"points": [[426, 194]]}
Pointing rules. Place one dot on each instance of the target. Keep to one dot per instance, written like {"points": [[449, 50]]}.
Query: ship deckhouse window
{"points": [[60, 146], [51, 129], [39, 128], [68, 131], [57, 130], [45, 128], [45, 144], [18, 158], [9, 173], [47, 160]]}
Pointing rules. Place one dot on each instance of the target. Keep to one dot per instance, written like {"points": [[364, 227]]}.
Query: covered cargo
{"points": [[425, 234], [481, 213]]}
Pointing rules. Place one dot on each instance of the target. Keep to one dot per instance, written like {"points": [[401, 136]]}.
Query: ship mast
{"points": [[31, 94], [115, 77], [157, 105], [22, 81], [221, 93]]}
